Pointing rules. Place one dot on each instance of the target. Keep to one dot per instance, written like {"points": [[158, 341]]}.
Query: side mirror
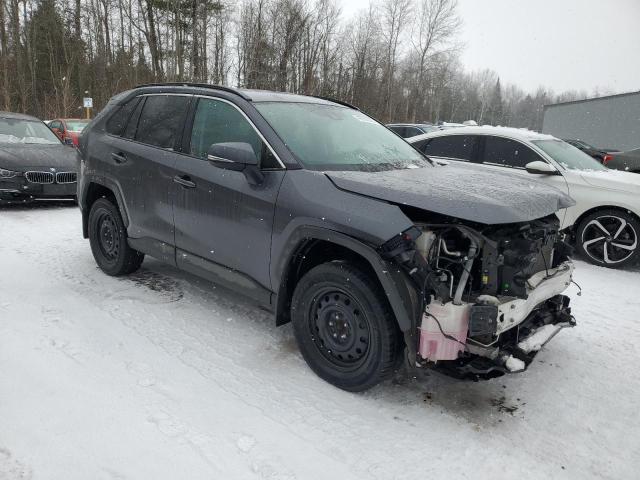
{"points": [[236, 156], [541, 168]]}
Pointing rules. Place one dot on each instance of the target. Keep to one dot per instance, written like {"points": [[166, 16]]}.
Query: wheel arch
{"points": [[600, 208], [311, 246], [99, 189]]}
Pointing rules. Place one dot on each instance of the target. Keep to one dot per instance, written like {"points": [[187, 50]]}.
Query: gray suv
{"points": [[325, 217]]}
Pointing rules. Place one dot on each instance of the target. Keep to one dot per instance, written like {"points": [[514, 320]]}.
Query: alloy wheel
{"points": [[609, 239]]}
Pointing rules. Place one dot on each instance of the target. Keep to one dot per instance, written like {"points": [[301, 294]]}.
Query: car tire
{"points": [[108, 239], [344, 326], [609, 238]]}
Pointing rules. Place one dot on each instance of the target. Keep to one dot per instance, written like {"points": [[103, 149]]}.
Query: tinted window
{"points": [[507, 152], [412, 132], [398, 130], [132, 124], [218, 122], [454, 146], [117, 121], [162, 119]]}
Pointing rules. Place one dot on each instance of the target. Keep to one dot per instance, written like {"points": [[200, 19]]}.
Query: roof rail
{"points": [[198, 85], [339, 102]]}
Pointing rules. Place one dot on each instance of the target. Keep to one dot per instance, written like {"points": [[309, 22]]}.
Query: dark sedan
{"points": [[628, 161], [34, 163]]}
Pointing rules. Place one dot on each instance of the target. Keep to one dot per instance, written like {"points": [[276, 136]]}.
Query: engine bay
{"points": [[483, 290]]}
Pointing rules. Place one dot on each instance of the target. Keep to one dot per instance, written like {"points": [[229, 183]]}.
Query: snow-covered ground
{"points": [[163, 376]]}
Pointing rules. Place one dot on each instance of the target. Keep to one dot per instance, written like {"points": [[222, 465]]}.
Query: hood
{"points": [[613, 180], [23, 157], [467, 192]]}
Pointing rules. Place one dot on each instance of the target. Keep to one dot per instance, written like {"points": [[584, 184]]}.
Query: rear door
{"points": [[142, 160], [223, 223]]}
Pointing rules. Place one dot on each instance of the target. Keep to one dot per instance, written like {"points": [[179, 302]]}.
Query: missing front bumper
{"points": [[517, 348]]}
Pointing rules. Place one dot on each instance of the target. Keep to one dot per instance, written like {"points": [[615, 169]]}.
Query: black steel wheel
{"points": [[344, 327], [609, 238], [339, 328], [108, 239]]}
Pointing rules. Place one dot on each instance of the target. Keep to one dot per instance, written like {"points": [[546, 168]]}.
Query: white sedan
{"points": [[605, 221]]}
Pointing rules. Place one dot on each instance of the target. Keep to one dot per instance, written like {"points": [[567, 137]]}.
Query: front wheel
{"points": [[108, 239], [609, 238], [344, 327]]}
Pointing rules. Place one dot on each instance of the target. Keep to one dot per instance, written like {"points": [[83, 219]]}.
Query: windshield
{"points": [[568, 156], [14, 130], [76, 125], [328, 137]]}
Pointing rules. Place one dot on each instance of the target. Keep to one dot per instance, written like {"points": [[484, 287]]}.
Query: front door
{"points": [[505, 154], [222, 222]]}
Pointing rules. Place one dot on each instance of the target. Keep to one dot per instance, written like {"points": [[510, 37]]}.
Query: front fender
{"points": [[394, 284]]}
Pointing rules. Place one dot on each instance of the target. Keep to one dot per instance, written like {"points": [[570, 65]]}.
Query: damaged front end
{"points": [[487, 297]]}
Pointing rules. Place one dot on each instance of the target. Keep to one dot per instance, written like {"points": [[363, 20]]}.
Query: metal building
{"points": [[611, 122]]}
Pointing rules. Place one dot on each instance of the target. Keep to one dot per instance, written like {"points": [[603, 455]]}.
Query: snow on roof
{"points": [[510, 132]]}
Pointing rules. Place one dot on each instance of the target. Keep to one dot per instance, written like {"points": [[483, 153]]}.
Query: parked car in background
{"points": [[627, 161], [605, 221], [450, 125], [34, 164], [68, 129], [406, 130], [331, 221], [601, 155]]}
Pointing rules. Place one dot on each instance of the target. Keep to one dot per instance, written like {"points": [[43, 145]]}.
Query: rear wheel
{"points": [[609, 238], [344, 327], [108, 239]]}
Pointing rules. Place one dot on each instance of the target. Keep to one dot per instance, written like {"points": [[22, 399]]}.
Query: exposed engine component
{"points": [[484, 291]]}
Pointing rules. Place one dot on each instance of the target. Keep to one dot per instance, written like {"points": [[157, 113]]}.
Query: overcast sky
{"points": [[562, 44]]}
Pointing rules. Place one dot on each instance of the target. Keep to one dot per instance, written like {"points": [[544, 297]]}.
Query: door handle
{"points": [[185, 181], [119, 157]]}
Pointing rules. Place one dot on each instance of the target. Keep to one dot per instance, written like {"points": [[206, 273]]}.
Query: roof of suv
{"points": [[252, 95], [515, 133]]}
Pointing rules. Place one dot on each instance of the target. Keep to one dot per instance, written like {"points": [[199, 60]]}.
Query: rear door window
{"points": [[162, 120], [506, 152], [457, 147]]}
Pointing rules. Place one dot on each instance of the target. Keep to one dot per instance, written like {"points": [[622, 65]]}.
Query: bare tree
{"points": [[394, 19]]}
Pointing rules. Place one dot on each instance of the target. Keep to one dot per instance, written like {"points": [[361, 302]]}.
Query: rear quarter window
{"points": [[118, 120]]}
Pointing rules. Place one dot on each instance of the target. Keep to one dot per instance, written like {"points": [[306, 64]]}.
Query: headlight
{"points": [[7, 173]]}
